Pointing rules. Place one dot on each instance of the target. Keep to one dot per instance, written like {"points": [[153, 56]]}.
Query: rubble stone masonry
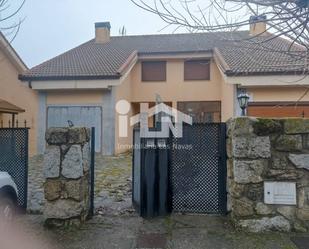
{"points": [[263, 150], [66, 171]]}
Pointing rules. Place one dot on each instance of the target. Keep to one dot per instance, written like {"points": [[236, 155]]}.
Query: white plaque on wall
{"points": [[283, 193]]}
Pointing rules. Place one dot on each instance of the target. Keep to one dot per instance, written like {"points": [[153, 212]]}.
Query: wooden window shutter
{"points": [[154, 71], [197, 70]]}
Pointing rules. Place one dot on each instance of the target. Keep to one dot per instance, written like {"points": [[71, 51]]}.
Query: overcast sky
{"points": [[52, 27]]}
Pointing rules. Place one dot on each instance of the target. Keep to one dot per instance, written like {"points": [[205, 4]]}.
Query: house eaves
{"points": [[74, 84], [268, 80], [12, 54], [65, 77], [221, 63], [176, 55]]}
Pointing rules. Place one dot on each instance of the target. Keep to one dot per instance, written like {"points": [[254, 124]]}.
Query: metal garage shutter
{"points": [[88, 116], [279, 110]]}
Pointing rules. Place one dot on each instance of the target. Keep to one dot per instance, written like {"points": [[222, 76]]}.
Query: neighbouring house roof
{"points": [[13, 56], [7, 107], [237, 51], [276, 56]]}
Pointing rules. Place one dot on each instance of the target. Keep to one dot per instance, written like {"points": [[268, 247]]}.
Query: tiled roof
{"points": [[100, 61], [276, 56]]}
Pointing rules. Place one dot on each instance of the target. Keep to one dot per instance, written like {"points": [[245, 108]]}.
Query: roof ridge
{"points": [[176, 34]]}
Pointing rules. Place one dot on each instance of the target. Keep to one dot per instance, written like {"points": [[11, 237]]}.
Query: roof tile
{"points": [[242, 53]]}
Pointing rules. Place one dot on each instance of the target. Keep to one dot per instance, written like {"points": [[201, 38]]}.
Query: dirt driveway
{"points": [[174, 232], [117, 226]]}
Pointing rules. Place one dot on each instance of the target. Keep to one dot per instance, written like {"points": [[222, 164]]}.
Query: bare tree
{"points": [[286, 19], [9, 20]]}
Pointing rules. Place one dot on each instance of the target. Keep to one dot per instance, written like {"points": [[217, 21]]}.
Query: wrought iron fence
{"points": [[14, 159], [13, 123]]}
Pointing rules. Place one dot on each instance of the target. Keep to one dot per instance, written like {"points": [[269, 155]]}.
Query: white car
{"points": [[8, 197]]}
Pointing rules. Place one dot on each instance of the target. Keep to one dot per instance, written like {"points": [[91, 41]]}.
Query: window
{"points": [[154, 71], [151, 120], [201, 111], [197, 70]]}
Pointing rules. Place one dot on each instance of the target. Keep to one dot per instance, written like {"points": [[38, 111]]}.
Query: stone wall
{"points": [[66, 171], [261, 150]]}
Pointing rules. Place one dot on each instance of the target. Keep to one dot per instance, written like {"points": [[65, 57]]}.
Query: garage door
{"points": [[278, 110], [87, 116]]}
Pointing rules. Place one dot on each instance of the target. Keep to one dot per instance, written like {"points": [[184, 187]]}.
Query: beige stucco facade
{"points": [[123, 91], [175, 89], [74, 97], [19, 94]]}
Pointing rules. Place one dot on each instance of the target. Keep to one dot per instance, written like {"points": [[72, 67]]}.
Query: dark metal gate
{"points": [[197, 169], [150, 176], [194, 179], [14, 159]]}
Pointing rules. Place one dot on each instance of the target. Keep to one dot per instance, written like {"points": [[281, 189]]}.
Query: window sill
{"points": [[208, 80], [153, 81]]}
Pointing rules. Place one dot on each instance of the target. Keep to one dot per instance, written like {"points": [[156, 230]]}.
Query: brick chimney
{"points": [[258, 25], [102, 32]]}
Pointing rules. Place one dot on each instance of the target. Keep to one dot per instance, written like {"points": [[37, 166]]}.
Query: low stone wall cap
{"points": [[70, 135]]}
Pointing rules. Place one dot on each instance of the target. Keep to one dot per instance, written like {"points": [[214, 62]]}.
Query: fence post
{"points": [[26, 162], [222, 169], [92, 172], [66, 170]]}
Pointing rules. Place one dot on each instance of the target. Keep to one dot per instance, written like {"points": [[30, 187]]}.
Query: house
{"points": [[200, 74], [18, 103]]}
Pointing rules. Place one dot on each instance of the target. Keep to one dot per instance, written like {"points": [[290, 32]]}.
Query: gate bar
{"points": [[222, 169], [27, 168], [92, 168]]}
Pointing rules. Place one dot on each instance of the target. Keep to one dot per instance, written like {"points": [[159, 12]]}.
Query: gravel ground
{"points": [[112, 185], [173, 232]]}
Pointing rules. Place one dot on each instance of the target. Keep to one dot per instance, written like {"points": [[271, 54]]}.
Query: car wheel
{"points": [[7, 209]]}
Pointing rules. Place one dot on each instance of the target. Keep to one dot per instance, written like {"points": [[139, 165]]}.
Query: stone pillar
{"points": [[268, 150], [66, 171]]}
